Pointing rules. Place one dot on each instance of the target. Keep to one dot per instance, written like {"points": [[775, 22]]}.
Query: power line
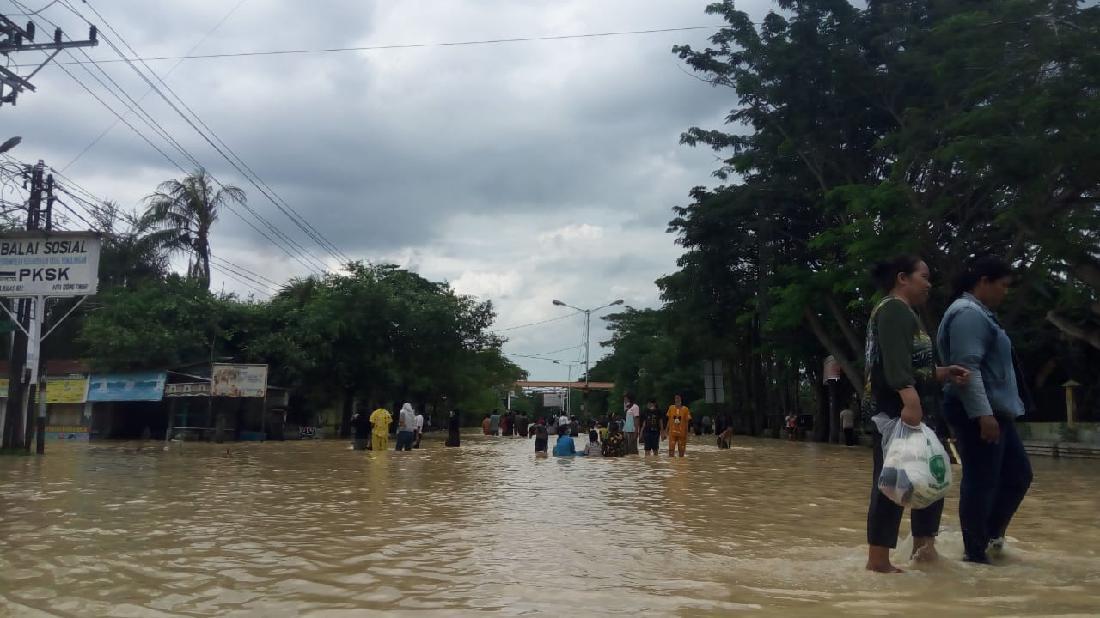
{"points": [[332, 50], [114, 124], [529, 324], [232, 158], [147, 118]]}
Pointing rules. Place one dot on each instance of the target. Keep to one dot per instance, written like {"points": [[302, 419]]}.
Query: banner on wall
{"points": [[240, 380], [137, 386], [72, 388]]}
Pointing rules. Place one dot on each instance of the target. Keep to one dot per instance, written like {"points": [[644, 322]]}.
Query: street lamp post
{"points": [[588, 330]]}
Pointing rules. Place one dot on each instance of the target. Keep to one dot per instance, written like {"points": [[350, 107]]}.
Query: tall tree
{"points": [[182, 213]]}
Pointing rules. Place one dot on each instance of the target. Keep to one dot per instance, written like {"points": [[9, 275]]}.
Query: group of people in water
{"points": [[615, 437], [972, 357]]}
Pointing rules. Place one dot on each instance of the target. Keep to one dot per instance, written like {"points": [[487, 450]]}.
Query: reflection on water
{"points": [[312, 528]]}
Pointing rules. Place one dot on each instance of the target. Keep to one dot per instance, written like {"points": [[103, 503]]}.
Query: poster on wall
{"points": [[240, 380], [67, 389], [138, 386]]}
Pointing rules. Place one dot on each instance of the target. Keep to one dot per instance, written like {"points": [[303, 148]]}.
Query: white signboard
{"points": [[553, 400], [714, 382], [240, 380], [49, 264]]}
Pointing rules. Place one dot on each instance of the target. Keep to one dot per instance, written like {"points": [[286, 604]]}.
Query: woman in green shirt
{"points": [[901, 367]]}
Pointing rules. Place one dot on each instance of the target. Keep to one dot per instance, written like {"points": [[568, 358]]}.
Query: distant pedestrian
{"points": [[631, 422], [486, 424], [454, 428], [380, 421], [708, 425], [791, 421], [521, 425], [406, 428], [615, 444], [725, 439], [848, 425], [361, 427], [653, 427], [679, 420], [494, 423], [563, 424], [541, 434], [418, 429], [592, 449], [565, 446]]}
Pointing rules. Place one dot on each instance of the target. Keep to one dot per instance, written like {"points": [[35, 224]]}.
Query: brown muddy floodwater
{"points": [[311, 528]]}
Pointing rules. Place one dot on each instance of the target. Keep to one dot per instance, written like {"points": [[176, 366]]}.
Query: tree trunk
{"points": [[345, 416], [845, 326]]}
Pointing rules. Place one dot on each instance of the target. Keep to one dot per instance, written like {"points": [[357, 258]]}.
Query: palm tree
{"points": [[181, 214]]}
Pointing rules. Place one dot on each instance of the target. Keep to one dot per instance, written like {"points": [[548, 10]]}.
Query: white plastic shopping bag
{"points": [[915, 470]]}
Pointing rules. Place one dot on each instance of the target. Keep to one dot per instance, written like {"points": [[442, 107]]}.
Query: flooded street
{"points": [[311, 528]]}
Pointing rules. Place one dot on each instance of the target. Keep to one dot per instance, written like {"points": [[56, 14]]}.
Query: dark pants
{"points": [[404, 440], [884, 517], [849, 436], [995, 479]]}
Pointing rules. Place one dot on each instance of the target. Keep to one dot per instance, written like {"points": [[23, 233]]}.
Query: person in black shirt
{"points": [[653, 422]]}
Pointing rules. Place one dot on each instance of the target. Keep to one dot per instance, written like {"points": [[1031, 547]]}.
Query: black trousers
{"points": [[995, 478], [884, 517], [849, 436]]}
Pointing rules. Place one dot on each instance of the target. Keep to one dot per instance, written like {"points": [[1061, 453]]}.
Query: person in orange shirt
{"points": [[679, 419]]}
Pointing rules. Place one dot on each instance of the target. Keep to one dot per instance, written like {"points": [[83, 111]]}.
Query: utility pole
{"points": [[14, 38]]}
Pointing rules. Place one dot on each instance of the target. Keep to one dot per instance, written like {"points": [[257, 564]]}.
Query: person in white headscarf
{"points": [[406, 427]]}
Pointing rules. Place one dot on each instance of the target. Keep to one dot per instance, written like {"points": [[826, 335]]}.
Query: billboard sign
{"points": [[240, 380], [714, 381], [49, 264], [67, 389], [141, 386], [553, 400]]}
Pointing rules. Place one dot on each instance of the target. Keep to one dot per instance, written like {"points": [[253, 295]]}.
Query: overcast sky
{"points": [[519, 172]]}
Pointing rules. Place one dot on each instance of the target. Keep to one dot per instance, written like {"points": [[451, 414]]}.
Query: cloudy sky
{"points": [[519, 172]]}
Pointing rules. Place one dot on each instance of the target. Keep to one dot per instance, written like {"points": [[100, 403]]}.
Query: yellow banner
{"points": [[69, 389]]}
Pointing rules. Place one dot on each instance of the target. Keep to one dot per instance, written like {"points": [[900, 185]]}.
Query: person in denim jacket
{"points": [[983, 412]]}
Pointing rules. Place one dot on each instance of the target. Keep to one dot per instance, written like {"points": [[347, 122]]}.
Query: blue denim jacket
{"points": [[970, 336]]}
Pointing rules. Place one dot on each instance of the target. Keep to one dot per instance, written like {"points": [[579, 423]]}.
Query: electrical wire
{"points": [[317, 267], [114, 124], [530, 324], [367, 48], [232, 158]]}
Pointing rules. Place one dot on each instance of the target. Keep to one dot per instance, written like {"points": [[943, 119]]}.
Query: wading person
{"points": [[592, 449], [565, 446], [454, 428], [380, 421], [494, 423], [679, 420], [541, 434], [418, 429], [900, 367], [615, 444], [652, 427], [631, 421], [848, 425], [982, 413], [406, 427], [361, 425], [485, 424]]}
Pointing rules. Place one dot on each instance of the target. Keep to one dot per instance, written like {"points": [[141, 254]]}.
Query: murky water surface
{"points": [[311, 528]]}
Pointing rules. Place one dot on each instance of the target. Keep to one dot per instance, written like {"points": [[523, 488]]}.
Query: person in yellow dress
{"points": [[679, 419], [380, 421]]}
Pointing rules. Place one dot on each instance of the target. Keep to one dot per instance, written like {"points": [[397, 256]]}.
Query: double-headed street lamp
{"points": [[588, 329]]}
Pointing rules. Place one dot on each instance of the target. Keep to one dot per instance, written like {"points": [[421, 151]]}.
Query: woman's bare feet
{"points": [[924, 549], [878, 560]]}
